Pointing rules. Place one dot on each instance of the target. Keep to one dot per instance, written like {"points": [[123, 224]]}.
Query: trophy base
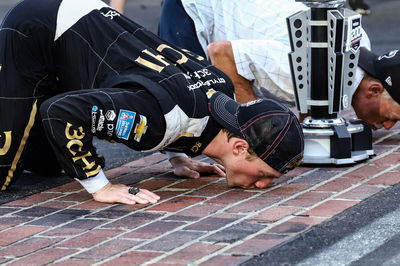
{"points": [[336, 141]]}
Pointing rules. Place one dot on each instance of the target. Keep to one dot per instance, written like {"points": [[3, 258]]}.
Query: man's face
{"points": [[254, 173], [380, 111]]}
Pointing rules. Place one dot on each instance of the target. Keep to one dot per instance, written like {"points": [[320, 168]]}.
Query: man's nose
{"points": [[388, 124]]}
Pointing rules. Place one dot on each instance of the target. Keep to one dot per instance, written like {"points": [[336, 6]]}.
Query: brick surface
{"points": [[90, 238], [234, 233], [59, 217], [195, 212], [286, 190], [211, 190], [258, 244], [192, 253], [34, 199], [133, 258], [165, 244], [43, 257], [75, 262], [253, 205], [210, 223], [107, 249], [366, 171], [230, 259], [177, 203], [360, 192], [78, 196], [331, 207], [195, 183], [274, 214], [153, 230], [307, 199], [338, 184], [133, 220], [386, 179], [15, 234], [231, 196], [28, 246]]}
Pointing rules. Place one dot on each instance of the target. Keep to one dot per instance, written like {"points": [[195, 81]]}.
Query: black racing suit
{"points": [[150, 95]]}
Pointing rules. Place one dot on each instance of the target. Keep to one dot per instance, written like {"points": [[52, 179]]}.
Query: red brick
{"points": [[286, 190], [252, 205], [156, 183], [17, 233], [147, 160], [6, 222], [295, 172], [289, 227], [258, 244], [307, 199], [106, 250], [64, 232], [211, 223], [74, 186], [360, 192], [338, 184], [176, 204], [195, 212], [91, 205], [44, 257], [195, 183], [28, 246], [231, 197], [90, 238], [192, 253], [274, 214], [118, 171], [366, 171], [386, 179], [167, 194], [79, 196], [234, 259], [133, 258], [76, 262], [153, 230], [331, 208], [57, 204], [388, 160], [34, 199], [211, 190], [155, 169]]}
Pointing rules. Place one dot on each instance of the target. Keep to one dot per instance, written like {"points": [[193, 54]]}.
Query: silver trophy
{"points": [[325, 42]]}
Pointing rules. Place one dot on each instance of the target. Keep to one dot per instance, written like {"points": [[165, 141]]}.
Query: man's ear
{"points": [[239, 146], [374, 89]]}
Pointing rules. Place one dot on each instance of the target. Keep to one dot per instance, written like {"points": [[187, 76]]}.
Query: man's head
{"points": [[376, 100], [264, 128]]}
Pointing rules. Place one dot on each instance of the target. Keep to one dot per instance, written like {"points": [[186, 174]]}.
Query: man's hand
{"points": [[119, 194], [184, 166]]}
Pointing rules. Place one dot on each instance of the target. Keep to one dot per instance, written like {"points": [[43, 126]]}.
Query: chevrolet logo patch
{"points": [[210, 93], [140, 128]]}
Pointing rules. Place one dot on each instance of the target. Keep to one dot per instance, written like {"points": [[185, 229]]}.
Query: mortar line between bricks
{"points": [[237, 221]]}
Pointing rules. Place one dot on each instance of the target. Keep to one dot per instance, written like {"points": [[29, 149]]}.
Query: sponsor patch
{"points": [[140, 128], [94, 114], [124, 124], [110, 115], [100, 124], [210, 93]]}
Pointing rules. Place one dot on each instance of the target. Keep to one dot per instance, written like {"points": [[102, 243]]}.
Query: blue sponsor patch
{"points": [[124, 124], [95, 108]]}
